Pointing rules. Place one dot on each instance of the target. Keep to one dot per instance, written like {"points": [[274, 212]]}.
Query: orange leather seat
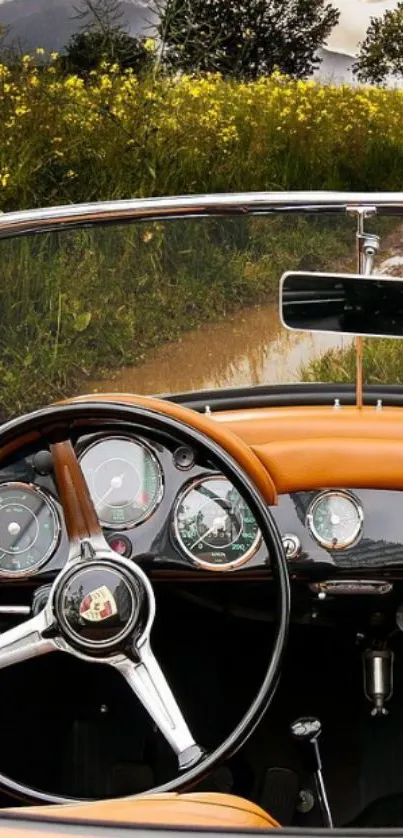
{"points": [[199, 809]]}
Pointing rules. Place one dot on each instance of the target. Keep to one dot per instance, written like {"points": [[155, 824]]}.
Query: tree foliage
{"points": [[87, 50], [103, 38], [381, 53], [243, 38]]}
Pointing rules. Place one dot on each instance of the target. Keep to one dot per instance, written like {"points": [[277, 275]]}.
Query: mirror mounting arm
{"points": [[369, 246], [364, 266]]}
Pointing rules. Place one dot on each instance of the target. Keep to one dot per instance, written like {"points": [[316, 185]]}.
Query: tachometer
{"points": [[335, 519], [214, 526], [29, 528], [125, 480]]}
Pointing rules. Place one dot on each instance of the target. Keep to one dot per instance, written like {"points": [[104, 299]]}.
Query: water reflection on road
{"points": [[250, 347]]}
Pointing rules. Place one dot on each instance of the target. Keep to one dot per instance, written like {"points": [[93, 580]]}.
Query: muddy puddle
{"points": [[250, 347]]}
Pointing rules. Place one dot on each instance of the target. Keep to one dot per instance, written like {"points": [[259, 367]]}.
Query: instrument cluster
{"points": [[160, 502], [151, 499]]}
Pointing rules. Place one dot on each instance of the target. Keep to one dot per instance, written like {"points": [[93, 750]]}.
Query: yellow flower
{"points": [[4, 178], [40, 51], [21, 110]]}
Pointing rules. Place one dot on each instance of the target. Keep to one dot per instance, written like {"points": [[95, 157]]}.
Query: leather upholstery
{"points": [[316, 447], [302, 447], [197, 809]]}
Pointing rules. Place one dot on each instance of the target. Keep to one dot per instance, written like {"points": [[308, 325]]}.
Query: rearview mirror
{"points": [[348, 303]]}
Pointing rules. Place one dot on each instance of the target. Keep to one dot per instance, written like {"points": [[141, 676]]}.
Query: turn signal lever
{"points": [[307, 730]]}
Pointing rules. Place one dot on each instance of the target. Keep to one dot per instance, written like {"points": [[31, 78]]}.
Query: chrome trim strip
{"points": [[240, 203]]}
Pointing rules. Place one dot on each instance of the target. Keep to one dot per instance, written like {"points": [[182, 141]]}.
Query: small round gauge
{"points": [[125, 480], [335, 519], [214, 526], [29, 528]]}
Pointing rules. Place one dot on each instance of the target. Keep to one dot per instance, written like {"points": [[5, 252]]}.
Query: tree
{"points": [[87, 50], [243, 38], [103, 16], [103, 37], [381, 53]]}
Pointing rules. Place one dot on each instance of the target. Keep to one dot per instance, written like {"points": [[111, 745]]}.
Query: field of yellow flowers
{"points": [[115, 136]]}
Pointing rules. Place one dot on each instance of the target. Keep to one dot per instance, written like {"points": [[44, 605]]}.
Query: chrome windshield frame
{"points": [[223, 204]]}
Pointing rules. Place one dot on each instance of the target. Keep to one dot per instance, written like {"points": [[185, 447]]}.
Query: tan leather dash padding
{"points": [[321, 463], [205, 809], [204, 423], [315, 447]]}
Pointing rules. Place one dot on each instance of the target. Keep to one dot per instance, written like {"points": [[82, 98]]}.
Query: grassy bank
{"points": [[79, 303], [382, 364], [64, 140]]}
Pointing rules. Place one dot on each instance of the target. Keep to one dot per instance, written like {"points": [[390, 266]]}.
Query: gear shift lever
{"points": [[307, 730]]}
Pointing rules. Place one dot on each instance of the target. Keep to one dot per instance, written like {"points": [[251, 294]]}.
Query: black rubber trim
{"points": [[286, 395], [61, 420]]}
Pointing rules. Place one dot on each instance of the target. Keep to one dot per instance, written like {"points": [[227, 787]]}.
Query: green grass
{"points": [[382, 364], [79, 304]]}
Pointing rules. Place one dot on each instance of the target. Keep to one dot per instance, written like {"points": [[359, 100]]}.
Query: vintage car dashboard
{"points": [[161, 505]]}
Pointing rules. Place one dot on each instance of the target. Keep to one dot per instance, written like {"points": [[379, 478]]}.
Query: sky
{"points": [[354, 20]]}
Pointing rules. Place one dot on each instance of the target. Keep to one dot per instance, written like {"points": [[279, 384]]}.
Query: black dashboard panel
{"points": [[381, 542], [153, 542]]}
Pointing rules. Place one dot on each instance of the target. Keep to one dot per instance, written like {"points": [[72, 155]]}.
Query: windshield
{"points": [[176, 305]]}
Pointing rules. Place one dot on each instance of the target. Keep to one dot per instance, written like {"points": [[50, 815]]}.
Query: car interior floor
{"points": [[83, 733]]}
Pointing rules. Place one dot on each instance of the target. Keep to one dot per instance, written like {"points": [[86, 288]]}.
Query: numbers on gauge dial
{"points": [[125, 480], [213, 525], [29, 528]]}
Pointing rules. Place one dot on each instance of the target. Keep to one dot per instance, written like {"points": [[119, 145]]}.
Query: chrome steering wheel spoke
{"points": [[27, 640], [148, 682]]}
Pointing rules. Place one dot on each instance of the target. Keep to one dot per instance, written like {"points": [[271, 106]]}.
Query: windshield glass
{"points": [[175, 305]]}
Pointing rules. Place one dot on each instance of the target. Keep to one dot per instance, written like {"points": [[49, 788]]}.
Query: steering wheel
{"points": [[91, 564]]}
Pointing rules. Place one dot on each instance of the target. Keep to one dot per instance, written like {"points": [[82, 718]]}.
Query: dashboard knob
{"points": [[292, 545]]}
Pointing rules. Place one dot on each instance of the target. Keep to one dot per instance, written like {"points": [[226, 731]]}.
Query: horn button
{"points": [[98, 606]]}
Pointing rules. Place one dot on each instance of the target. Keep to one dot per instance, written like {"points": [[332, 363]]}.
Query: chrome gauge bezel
{"points": [[202, 563], [355, 535], [48, 499], [160, 493]]}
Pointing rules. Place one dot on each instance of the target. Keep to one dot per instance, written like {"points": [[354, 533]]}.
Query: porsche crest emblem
{"points": [[98, 605]]}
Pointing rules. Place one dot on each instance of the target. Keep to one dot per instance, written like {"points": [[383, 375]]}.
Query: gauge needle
{"points": [[116, 483], [217, 523]]}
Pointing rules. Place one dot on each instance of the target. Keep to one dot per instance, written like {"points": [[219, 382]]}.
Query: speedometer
{"points": [[29, 528], [335, 519], [214, 526]]}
